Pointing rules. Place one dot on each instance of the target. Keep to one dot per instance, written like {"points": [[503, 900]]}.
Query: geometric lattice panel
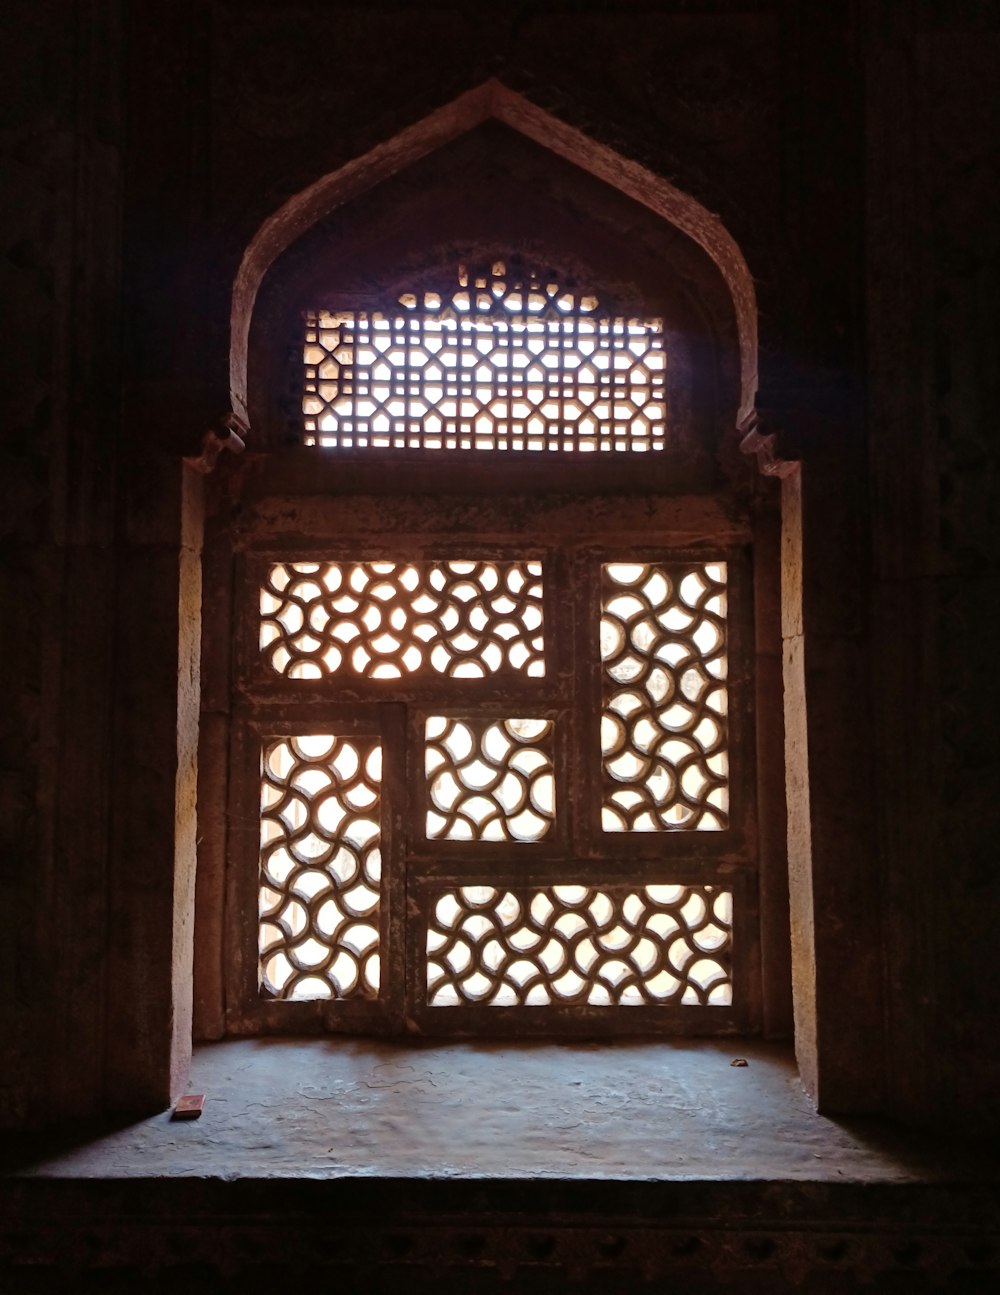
{"points": [[664, 718], [320, 867], [508, 360], [580, 945], [489, 780], [386, 620]]}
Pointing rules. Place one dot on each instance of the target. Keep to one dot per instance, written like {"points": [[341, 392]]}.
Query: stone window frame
{"points": [[814, 867], [689, 465], [262, 705]]}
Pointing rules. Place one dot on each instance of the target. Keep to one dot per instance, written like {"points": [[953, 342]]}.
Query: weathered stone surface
{"points": [[412, 1166]]}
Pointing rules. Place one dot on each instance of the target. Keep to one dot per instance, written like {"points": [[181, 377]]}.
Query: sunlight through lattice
{"points": [[385, 620], [320, 867], [510, 360], [576, 945], [489, 780], [663, 727]]}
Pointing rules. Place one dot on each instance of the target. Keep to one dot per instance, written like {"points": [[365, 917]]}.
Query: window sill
{"points": [[632, 1110], [491, 1167]]}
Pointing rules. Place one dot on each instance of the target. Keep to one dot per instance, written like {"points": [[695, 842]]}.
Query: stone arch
{"points": [[492, 101]]}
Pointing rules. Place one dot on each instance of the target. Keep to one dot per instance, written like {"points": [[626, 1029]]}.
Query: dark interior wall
{"points": [[852, 152], [934, 345], [965, 189], [60, 284]]}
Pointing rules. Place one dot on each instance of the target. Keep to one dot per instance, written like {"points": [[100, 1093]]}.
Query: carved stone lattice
{"points": [[489, 780], [507, 361], [320, 867], [663, 727], [580, 945], [385, 620]]}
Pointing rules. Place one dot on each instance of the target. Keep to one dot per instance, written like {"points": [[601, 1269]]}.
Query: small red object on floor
{"points": [[189, 1107]]}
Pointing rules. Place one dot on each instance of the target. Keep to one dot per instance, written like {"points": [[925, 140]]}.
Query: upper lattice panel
{"points": [[505, 362], [387, 620], [664, 731]]}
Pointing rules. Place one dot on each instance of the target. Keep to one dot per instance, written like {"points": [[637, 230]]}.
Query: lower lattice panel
{"points": [[320, 867], [580, 946]]}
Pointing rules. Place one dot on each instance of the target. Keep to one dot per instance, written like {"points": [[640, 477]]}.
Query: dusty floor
{"points": [[325, 1108]]}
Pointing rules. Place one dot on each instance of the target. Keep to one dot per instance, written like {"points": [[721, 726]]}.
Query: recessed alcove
{"points": [[495, 184]]}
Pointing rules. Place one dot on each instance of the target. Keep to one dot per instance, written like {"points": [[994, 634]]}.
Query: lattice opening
{"points": [[489, 781], [507, 361], [475, 787], [663, 726], [580, 945], [320, 867], [386, 620]]}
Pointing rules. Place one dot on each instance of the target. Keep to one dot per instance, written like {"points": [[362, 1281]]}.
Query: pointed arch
{"points": [[492, 101]]}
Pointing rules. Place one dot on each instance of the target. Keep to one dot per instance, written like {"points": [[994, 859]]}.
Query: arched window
{"points": [[492, 756]]}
